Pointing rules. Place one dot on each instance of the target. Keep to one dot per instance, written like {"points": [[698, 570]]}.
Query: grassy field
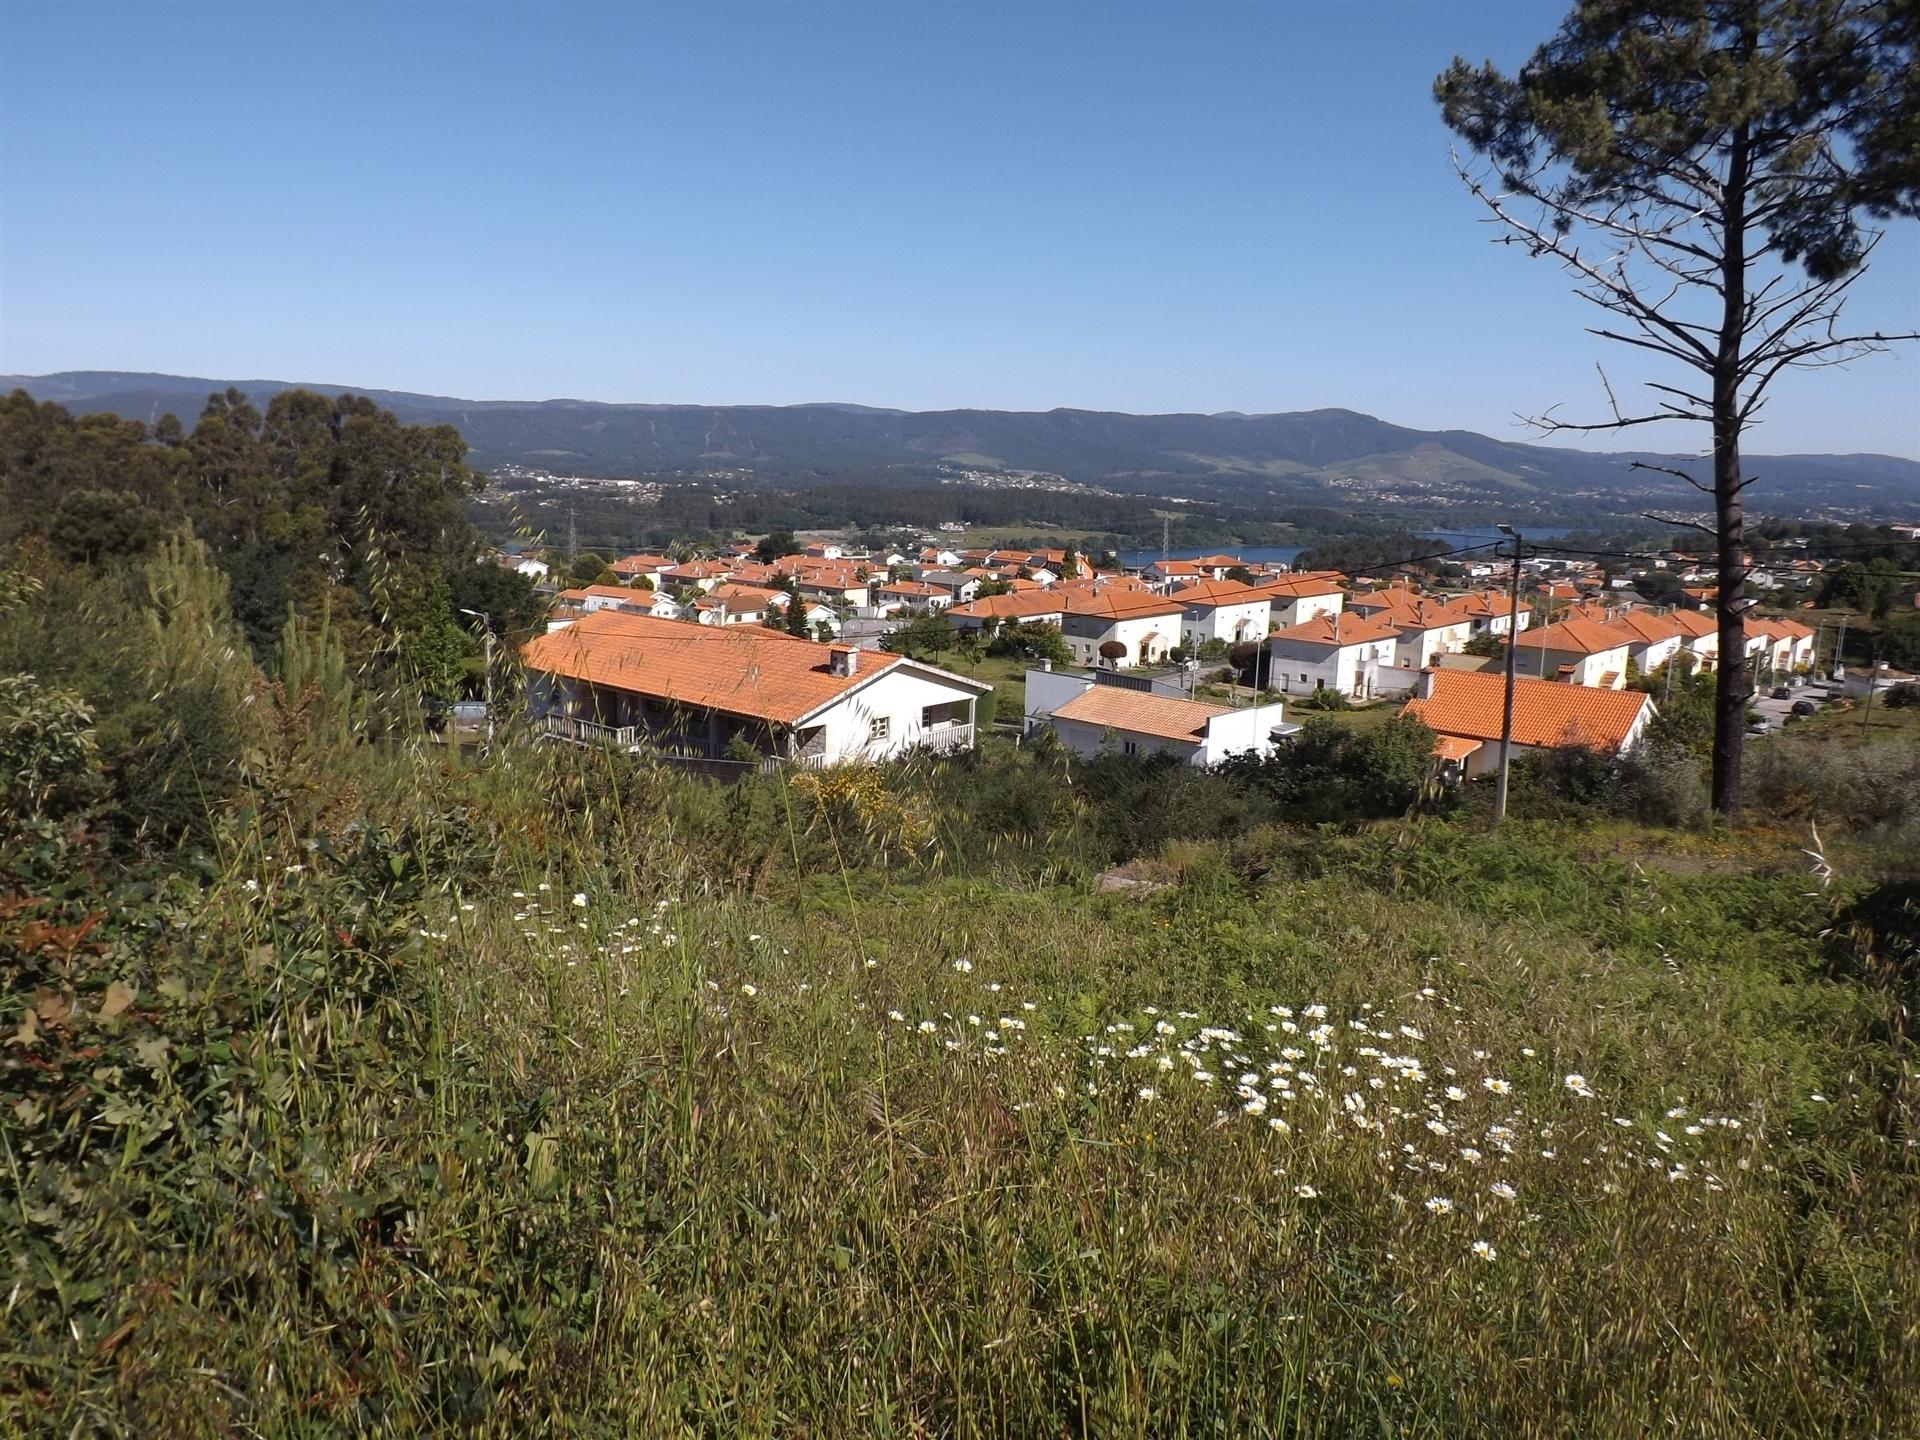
{"points": [[501, 1100]]}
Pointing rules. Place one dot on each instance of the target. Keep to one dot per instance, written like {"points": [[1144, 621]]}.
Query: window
{"points": [[1303, 675], [1130, 748], [928, 719], [880, 728]]}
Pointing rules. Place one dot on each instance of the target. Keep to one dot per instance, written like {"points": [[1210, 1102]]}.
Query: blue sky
{"points": [[1134, 207]]}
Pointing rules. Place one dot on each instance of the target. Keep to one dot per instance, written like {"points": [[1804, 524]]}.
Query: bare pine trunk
{"points": [[1733, 680], [1733, 683]]}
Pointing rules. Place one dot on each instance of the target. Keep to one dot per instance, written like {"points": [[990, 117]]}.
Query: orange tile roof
{"points": [[1777, 628], [1455, 747], [739, 669], [1576, 637], [1341, 630], [1142, 713], [1467, 704], [1021, 605], [1643, 628], [1292, 587], [1118, 604], [911, 587], [637, 564], [1217, 592], [1489, 603]]}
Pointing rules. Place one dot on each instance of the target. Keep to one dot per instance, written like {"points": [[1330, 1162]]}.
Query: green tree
{"points": [[1705, 169], [780, 542]]}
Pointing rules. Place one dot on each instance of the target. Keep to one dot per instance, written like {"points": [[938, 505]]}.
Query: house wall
{"points": [[1239, 732], [1298, 609], [897, 697], [1087, 633], [1353, 670], [1538, 664], [1416, 648], [1231, 623], [1655, 653]]}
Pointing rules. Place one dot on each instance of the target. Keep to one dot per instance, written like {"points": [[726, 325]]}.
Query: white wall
{"points": [[898, 697], [1538, 664], [1246, 620], [1299, 609], [1416, 648], [1353, 670], [1130, 633], [1241, 731]]}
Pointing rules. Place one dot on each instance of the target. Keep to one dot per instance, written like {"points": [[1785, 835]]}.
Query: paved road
{"points": [[1778, 710]]}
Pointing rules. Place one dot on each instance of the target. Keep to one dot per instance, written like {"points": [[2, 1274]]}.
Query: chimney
{"points": [[842, 660]]}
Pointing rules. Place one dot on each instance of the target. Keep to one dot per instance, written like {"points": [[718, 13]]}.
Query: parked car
{"points": [[1804, 707], [1760, 727], [1782, 692]]}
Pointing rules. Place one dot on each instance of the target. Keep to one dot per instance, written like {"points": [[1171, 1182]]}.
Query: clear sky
{"points": [[1150, 208]]}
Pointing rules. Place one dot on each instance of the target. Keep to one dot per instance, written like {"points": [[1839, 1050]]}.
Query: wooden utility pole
{"points": [[1506, 706]]}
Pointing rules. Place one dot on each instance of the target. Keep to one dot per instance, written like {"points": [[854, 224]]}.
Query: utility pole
{"points": [[1506, 706], [1873, 680], [1839, 649], [573, 536]]}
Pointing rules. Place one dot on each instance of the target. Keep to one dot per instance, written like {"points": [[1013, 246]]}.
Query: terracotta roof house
{"points": [[1090, 718], [1491, 611], [1146, 626], [1350, 654], [1223, 610], [696, 690], [1581, 652], [632, 567], [1292, 599], [1464, 710], [1022, 607]]}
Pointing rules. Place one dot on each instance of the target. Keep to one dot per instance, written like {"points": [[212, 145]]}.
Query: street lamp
{"points": [[1513, 651], [486, 631]]}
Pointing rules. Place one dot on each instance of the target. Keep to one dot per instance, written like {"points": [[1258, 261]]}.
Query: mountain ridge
{"points": [[1326, 450]]}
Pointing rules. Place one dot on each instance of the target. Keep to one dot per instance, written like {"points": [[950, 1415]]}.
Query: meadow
{"points": [[554, 1092]]}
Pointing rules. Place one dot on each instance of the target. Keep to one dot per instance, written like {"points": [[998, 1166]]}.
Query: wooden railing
{"points": [[587, 732]]}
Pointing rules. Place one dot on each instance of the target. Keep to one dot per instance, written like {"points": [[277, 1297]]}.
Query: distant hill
{"points": [[1340, 453]]}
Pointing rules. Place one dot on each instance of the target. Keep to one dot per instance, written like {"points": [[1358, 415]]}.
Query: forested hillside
{"points": [[328, 509], [1316, 456]]}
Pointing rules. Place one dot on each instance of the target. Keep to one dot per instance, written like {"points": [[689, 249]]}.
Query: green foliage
{"points": [[779, 543], [1032, 640], [920, 637], [1488, 646]]}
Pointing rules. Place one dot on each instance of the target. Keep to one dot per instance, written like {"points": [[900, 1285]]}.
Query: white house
{"points": [[1296, 599], [1653, 640], [1491, 612], [1579, 651], [1091, 718], [1466, 709], [1020, 607], [1223, 610], [1146, 626], [713, 693], [1348, 654]]}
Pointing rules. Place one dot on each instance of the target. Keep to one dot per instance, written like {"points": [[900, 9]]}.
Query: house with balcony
{"points": [[720, 692], [1491, 612]]}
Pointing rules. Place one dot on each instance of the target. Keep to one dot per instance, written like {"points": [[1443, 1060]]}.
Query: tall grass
{"points": [[556, 1093]]}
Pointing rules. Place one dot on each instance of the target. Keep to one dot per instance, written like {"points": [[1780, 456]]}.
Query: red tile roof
{"points": [[1115, 604], [1468, 703], [743, 670], [1142, 713], [1021, 605], [1576, 637], [1341, 630], [1217, 592]]}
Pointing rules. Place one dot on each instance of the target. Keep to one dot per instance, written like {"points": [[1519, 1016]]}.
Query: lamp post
{"points": [[1513, 650], [486, 632]]}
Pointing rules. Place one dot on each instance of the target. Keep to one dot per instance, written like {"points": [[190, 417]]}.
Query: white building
{"points": [[1348, 654], [711, 693], [1091, 718], [1145, 626], [1223, 610]]}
